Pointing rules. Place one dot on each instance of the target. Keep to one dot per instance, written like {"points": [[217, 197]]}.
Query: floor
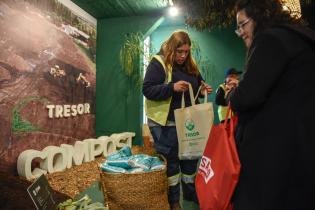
{"points": [[186, 205]]}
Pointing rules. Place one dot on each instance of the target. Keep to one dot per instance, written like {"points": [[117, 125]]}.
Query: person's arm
{"points": [[153, 85], [204, 86], [266, 64]]}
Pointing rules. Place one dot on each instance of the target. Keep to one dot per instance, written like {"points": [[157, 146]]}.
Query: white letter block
{"points": [[79, 153], [109, 145], [56, 159], [24, 164], [125, 140], [122, 139], [70, 152], [96, 147]]}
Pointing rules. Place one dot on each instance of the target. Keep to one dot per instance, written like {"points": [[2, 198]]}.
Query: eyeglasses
{"points": [[241, 26]]}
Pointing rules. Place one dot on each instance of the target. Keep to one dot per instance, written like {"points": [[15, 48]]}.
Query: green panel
{"points": [[121, 8], [219, 50], [118, 99]]}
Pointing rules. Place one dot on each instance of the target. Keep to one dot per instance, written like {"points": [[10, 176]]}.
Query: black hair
{"points": [[266, 13]]}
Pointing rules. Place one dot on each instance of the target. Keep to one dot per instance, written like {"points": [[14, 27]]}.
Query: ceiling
{"points": [[122, 8]]}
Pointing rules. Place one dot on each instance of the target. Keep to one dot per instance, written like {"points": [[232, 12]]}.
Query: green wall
{"points": [[118, 100], [219, 50]]}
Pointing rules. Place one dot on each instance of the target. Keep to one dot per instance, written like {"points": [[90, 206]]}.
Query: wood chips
{"points": [[76, 179]]}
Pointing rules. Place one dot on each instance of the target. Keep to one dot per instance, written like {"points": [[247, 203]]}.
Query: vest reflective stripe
{"points": [[188, 179], [158, 110], [222, 109], [173, 180]]}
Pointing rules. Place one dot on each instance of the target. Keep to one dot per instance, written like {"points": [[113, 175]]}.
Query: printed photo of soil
{"points": [[44, 60]]}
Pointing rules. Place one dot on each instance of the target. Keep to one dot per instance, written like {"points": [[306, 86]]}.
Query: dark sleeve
{"points": [[265, 64], [153, 85], [200, 79], [220, 97]]}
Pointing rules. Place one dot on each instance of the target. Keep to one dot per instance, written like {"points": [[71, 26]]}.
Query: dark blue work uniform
{"points": [[165, 137]]}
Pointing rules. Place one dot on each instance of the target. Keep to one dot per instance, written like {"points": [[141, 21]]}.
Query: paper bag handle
{"points": [[191, 95], [205, 94]]}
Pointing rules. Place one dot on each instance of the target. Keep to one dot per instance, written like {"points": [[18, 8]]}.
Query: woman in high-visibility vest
{"points": [[168, 75]]}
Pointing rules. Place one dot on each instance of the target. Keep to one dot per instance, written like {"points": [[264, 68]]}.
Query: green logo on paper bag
{"points": [[189, 124]]}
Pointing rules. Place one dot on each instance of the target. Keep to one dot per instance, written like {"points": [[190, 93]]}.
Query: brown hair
{"points": [[168, 50]]}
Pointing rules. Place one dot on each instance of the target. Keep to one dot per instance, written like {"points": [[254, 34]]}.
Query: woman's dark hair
{"points": [[266, 13]]}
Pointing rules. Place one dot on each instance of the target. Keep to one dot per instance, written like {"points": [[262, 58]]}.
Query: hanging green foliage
{"points": [[212, 14], [196, 51], [130, 53], [207, 14], [206, 66]]}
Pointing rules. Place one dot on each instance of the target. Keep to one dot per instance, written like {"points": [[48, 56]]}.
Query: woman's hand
{"points": [[181, 86], [206, 87], [231, 83]]}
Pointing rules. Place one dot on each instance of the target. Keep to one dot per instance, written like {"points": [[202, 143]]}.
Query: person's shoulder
{"points": [[275, 30], [272, 33], [155, 62], [300, 31], [221, 87], [288, 32], [285, 37]]}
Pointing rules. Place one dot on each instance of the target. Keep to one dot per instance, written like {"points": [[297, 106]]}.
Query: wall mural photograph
{"points": [[47, 77]]}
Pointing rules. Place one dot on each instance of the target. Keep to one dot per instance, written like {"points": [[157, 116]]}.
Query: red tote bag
{"points": [[219, 168]]}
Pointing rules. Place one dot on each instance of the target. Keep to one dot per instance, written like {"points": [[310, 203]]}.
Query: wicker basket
{"points": [[136, 191]]}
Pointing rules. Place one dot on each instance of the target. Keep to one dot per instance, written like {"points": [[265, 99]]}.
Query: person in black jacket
{"points": [[275, 103], [166, 78]]}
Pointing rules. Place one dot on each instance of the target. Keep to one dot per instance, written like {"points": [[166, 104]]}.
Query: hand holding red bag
{"points": [[219, 167]]}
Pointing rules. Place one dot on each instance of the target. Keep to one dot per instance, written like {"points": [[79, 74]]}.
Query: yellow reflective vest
{"points": [[158, 110], [222, 109]]}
